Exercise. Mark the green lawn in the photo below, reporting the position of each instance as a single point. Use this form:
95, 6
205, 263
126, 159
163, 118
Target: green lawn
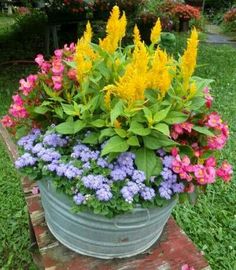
211, 224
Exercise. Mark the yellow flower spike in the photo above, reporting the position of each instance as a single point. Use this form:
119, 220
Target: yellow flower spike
192, 90
136, 35
156, 32
160, 76
115, 29
88, 33
189, 59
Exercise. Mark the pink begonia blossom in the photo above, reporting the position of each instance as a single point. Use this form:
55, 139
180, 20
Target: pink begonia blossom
45, 67
189, 188
58, 53
39, 59
57, 67
216, 142
210, 162
72, 74
26, 86
225, 171
208, 98
214, 120
57, 82
70, 48
7, 121
187, 267
204, 174
17, 99
18, 111
179, 129
182, 167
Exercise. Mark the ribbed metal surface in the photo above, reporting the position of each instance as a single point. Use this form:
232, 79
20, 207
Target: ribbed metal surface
97, 236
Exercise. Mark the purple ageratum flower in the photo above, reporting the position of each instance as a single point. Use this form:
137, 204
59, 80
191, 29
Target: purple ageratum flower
72, 172
147, 193
129, 191
126, 159
167, 174
86, 166
37, 148
77, 149
118, 174
165, 190
94, 182
25, 160
79, 198
27, 141
84, 153
161, 152
104, 193
167, 161
48, 155
62, 169
178, 188
102, 163
138, 176
54, 140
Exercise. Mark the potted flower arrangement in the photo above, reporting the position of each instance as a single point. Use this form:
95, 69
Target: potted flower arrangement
185, 13
118, 135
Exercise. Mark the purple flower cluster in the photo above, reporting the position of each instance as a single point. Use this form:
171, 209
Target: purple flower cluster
82, 152
25, 160
61, 169
79, 198
169, 186
27, 141
54, 140
48, 155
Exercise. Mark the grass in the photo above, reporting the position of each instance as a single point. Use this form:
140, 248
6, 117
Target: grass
211, 224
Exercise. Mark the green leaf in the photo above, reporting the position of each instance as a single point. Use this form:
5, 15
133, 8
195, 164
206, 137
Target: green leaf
176, 118
91, 138
117, 111
147, 113
69, 109
159, 116
139, 129
133, 141
78, 126
115, 145
197, 103
59, 112
108, 132
41, 109
70, 64
65, 128
98, 123
157, 140
203, 130
163, 128
147, 161
121, 132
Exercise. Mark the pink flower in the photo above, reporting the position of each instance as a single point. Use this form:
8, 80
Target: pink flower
27, 85
57, 67
225, 171
210, 162
179, 129
189, 188
18, 100
208, 98
214, 120
39, 59
205, 174
57, 82
225, 130
45, 67
18, 111
58, 53
72, 74
216, 142
7, 121
187, 267
182, 167
70, 48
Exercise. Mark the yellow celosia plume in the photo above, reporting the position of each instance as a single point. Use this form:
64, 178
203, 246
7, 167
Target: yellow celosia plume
160, 75
132, 85
189, 59
156, 32
136, 35
84, 54
115, 29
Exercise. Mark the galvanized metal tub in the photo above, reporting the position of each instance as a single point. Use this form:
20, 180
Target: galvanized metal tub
97, 236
